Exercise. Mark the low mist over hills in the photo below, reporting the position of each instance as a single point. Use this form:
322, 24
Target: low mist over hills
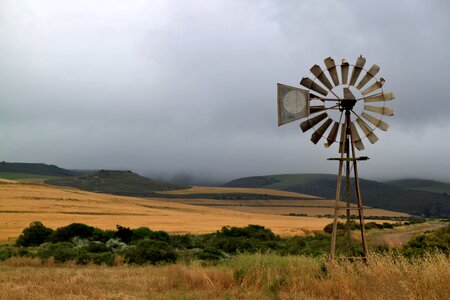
375, 194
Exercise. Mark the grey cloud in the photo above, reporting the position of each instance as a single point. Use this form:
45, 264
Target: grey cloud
175, 87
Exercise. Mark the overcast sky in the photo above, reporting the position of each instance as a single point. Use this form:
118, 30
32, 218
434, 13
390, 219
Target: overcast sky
188, 88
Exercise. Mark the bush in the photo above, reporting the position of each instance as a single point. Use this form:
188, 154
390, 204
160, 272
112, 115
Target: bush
97, 247
341, 227
315, 245
142, 233
150, 251
124, 234
67, 233
388, 225
251, 231
6, 252
61, 252
34, 235
210, 254
438, 240
101, 258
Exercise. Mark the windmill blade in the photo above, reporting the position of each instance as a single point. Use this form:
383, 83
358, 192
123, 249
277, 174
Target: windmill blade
356, 139
317, 71
316, 108
308, 124
367, 131
315, 137
369, 75
332, 135
331, 66
375, 86
343, 138
380, 97
380, 110
344, 71
308, 83
376, 122
357, 68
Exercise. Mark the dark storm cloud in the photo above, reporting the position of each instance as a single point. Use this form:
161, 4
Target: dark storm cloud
188, 87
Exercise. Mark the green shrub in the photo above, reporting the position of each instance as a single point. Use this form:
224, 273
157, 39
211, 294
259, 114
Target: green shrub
150, 251
235, 245
187, 241
387, 225
438, 240
67, 233
315, 245
251, 231
341, 227
210, 254
102, 235
34, 235
124, 234
142, 233
101, 258
6, 252
61, 252
97, 247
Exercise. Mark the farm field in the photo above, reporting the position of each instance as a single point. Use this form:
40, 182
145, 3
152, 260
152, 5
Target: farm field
304, 204
230, 190
282, 207
22, 203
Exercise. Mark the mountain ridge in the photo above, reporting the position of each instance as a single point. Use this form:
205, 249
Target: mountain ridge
374, 193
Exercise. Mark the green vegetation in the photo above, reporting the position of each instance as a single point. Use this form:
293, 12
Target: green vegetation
438, 240
422, 185
124, 183
375, 194
23, 177
34, 169
86, 244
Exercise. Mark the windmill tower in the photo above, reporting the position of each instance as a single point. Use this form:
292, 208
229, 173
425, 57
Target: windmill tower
331, 109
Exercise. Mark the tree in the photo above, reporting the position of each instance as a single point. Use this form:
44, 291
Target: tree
34, 235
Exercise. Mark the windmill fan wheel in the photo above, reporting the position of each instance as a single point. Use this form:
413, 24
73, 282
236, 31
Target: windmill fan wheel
340, 88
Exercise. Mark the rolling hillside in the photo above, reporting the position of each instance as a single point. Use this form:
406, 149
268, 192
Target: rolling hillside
115, 182
34, 169
375, 194
422, 185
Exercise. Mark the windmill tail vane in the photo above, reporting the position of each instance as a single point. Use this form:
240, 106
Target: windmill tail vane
343, 104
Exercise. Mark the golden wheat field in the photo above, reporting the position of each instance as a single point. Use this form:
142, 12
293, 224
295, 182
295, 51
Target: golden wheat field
282, 207
223, 190
242, 277
22, 203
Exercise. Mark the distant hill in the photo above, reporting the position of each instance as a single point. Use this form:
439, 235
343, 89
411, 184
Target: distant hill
35, 169
115, 182
375, 194
422, 185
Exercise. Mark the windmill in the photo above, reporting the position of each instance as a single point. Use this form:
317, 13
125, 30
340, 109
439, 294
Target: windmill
332, 109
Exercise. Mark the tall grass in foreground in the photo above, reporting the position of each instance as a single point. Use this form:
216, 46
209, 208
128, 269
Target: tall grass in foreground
255, 276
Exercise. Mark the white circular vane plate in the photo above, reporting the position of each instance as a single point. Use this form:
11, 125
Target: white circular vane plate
294, 102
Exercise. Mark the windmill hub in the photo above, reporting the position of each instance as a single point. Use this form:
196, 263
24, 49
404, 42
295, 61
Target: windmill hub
347, 104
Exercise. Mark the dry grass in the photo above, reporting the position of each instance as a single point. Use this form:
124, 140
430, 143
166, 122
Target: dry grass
243, 277
22, 203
